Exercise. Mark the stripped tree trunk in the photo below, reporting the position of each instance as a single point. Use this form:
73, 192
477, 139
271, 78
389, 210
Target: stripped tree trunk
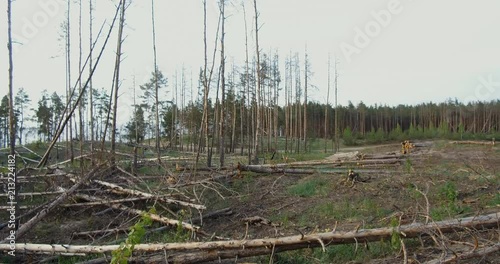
229, 249
258, 117
117, 80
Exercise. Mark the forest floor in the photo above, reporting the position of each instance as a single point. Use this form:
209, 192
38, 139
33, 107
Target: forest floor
457, 180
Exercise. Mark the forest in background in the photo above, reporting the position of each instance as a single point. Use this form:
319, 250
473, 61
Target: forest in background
181, 121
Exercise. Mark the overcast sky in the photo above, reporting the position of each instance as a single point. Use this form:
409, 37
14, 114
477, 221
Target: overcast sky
389, 51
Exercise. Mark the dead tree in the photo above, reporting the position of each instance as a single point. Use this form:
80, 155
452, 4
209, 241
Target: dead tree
247, 88
12, 143
117, 79
91, 103
157, 104
207, 79
80, 88
69, 141
326, 106
306, 78
12, 132
222, 150
257, 125
337, 132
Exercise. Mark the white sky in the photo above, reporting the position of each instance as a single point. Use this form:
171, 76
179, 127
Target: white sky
427, 51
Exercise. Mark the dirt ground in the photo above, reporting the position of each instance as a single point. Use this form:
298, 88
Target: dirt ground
458, 181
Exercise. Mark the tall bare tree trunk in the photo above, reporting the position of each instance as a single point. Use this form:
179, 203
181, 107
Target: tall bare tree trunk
157, 104
173, 132
337, 132
204, 119
134, 163
233, 127
326, 106
91, 99
257, 126
306, 76
117, 80
276, 96
80, 88
222, 148
183, 94
207, 78
12, 131
247, 88
69, 137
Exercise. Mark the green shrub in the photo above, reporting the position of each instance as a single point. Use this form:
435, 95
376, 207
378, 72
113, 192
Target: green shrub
348, 137
124, 252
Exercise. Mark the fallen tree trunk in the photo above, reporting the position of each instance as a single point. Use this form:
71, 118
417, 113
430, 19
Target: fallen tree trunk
294, 242
273, 169
40, 215
302, 164
33, 193
106, 202
104, 231
154, 217
225, 211
470, 142
385, 156
119, 189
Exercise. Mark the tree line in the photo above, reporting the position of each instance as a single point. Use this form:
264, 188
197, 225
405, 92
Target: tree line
180, 120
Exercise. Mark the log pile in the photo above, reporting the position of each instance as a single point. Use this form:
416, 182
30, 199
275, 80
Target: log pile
343, 161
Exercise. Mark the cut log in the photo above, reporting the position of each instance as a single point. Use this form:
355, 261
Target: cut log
298, 241
470, 142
